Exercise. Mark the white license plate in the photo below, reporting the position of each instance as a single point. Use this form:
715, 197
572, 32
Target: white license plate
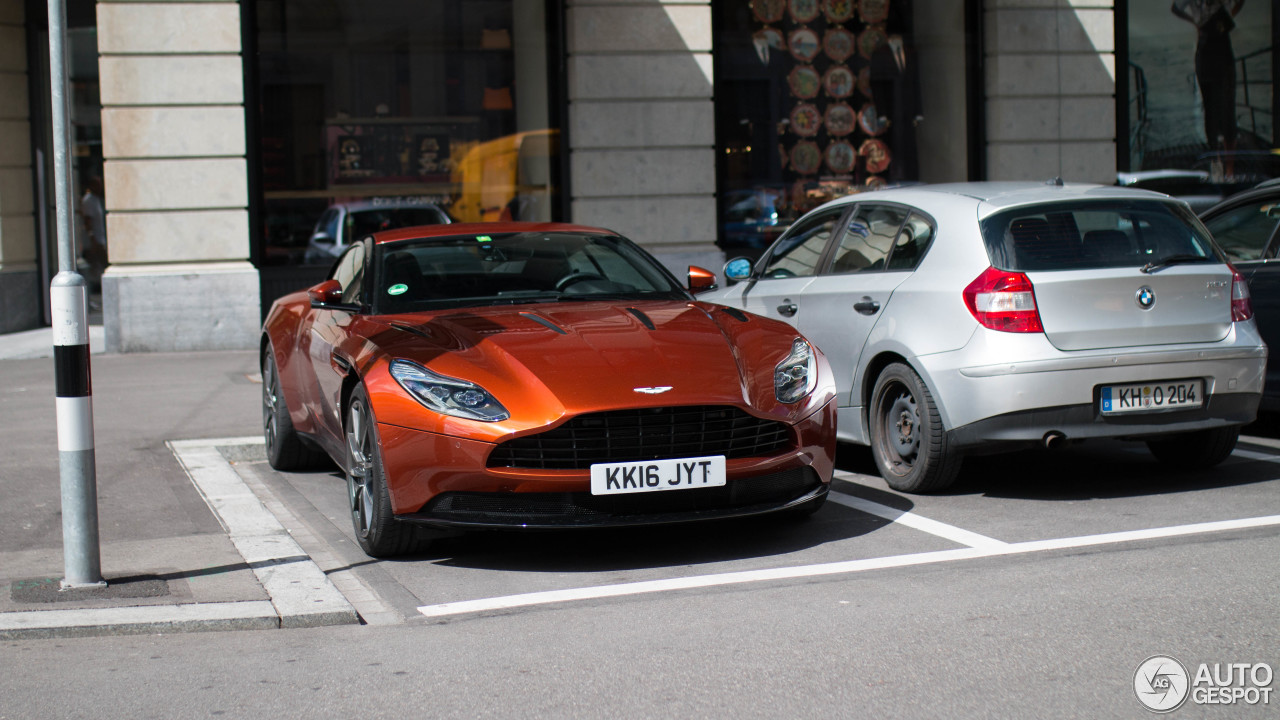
1149, 397
657, 475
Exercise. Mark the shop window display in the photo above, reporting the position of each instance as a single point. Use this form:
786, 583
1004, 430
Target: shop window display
815, 99
366, 107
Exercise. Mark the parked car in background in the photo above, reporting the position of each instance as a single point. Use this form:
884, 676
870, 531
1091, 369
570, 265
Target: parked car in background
521, 375
977, 317
1244, 226
344, 223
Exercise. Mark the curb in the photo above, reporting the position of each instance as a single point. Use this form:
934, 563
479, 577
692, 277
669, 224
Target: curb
301, 594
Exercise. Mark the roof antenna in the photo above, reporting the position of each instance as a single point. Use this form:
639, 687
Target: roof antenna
1056, 182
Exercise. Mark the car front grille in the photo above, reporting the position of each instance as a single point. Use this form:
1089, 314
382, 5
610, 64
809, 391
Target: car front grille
582, 507
645, 434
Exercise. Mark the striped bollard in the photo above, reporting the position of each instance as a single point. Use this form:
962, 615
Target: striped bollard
82, 561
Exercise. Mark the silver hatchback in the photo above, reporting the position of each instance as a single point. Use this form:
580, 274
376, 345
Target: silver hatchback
980, 317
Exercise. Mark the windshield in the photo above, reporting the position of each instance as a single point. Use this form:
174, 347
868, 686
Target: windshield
523, 267
1096, 234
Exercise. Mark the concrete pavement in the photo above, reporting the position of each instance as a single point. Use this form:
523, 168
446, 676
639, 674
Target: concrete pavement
186, 544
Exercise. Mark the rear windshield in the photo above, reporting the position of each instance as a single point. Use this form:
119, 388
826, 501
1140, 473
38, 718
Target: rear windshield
1095, 234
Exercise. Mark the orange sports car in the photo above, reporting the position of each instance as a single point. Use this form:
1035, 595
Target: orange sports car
521, 375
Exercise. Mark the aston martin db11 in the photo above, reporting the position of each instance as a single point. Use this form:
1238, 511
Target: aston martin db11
539, 376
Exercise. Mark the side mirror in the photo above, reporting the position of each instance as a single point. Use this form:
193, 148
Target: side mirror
701, 280
322, 238
738, 269
328, 292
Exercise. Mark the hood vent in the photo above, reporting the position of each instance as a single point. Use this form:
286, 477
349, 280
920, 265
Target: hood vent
644, 319
735, 313
544, 322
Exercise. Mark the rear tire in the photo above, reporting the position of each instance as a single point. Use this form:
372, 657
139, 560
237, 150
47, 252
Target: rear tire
285, 449
1198, 450
377, 530
910, 447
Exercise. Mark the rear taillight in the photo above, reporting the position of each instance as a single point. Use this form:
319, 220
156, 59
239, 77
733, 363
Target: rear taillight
1241, 305
1003, 301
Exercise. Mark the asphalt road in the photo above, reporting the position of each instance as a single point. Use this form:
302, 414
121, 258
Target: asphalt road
1035, 588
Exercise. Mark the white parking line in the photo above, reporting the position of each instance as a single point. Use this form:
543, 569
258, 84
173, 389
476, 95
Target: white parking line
911, 520
1254, 455
836, 568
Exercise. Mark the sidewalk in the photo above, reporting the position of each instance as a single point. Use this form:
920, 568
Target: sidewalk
185, 542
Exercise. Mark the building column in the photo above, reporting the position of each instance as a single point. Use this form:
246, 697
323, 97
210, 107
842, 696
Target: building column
20, 305
1051, 86
173, 137
642, 125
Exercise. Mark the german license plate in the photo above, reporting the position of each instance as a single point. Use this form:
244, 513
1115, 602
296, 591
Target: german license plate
1153, 396
657, 475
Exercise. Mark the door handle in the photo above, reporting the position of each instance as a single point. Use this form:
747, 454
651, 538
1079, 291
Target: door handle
867, 306
787, 309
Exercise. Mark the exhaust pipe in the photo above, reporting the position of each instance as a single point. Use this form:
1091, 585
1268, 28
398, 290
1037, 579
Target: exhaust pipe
1054, 440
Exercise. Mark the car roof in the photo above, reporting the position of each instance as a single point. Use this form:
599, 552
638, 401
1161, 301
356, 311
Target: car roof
993, 196
422, 232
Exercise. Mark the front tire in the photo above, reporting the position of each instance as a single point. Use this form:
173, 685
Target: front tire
1198, 450
377, 530
910, 447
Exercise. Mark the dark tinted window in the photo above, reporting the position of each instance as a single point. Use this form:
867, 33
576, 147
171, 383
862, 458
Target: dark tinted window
798, 252
1243, 232
367, 222
1094, 234
912, 242
868, 238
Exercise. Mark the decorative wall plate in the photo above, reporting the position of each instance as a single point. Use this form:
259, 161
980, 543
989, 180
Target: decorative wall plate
805, 120
841, 157
804, 82
873, 11
768, 11
870, 39
806, 158
875, 182
838, 11
870, 121
877, 155
839, 44
839, 119
838, 81
804, 44
802, 11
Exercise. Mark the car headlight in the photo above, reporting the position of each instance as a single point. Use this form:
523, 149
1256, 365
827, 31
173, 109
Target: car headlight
446, 395
797, 374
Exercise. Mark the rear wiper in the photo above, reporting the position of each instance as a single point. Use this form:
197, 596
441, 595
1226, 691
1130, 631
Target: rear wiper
1172, 260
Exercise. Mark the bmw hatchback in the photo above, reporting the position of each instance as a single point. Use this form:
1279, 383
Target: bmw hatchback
982, 317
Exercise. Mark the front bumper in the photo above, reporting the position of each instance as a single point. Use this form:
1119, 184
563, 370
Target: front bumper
444, 480
534, 511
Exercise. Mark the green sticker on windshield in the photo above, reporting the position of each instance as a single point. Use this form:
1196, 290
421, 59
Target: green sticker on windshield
483, 238
398, 289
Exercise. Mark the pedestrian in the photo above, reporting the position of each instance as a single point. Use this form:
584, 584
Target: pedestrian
1215, 69
93, 215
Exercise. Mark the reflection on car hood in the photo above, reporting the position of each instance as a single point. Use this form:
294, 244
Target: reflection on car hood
586, 355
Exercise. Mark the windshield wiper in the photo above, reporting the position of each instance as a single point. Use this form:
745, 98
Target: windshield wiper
1171, 260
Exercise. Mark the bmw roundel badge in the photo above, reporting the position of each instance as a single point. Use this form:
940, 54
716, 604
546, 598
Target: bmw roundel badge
1146, 297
